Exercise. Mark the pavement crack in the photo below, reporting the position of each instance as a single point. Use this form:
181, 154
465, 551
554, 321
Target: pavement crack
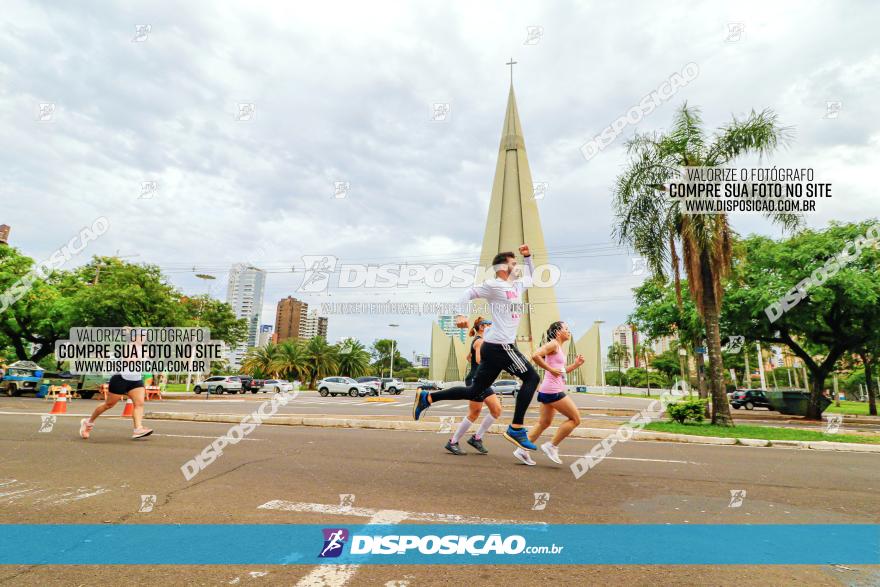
167, 499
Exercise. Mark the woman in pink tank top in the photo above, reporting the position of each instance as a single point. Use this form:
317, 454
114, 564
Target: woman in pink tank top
551, 394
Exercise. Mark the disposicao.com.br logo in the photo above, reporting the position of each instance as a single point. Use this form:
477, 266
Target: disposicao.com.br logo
452, 544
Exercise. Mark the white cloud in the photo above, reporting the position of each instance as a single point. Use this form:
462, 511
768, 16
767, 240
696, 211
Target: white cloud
343, 92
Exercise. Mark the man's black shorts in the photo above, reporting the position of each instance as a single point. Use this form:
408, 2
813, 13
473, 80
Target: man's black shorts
481, 396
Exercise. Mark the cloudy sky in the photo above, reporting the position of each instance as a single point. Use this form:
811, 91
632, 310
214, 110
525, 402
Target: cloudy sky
344, 92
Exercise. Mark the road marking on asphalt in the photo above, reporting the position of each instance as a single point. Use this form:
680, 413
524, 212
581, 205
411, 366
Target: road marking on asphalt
213, 401
13, 495
644, 460
339, 575
339, 510
42, 414
198, 436
25, 489
79, 494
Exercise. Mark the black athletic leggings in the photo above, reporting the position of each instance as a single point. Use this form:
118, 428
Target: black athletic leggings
495, 358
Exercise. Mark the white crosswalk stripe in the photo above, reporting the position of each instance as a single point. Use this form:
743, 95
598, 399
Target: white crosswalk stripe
15, 490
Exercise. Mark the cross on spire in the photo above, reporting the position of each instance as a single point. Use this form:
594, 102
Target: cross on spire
511, 63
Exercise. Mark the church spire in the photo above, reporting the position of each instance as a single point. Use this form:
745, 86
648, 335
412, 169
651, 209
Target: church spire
513, 219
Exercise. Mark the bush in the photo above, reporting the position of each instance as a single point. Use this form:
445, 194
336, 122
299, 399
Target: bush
693, 410
613, 378
638, 377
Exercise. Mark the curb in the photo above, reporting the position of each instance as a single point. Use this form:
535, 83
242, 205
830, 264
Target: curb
596, 433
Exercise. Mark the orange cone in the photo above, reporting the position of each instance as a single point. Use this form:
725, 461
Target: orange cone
129, 408
60, 405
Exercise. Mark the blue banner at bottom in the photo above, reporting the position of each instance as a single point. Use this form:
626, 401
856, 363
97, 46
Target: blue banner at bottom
478, 544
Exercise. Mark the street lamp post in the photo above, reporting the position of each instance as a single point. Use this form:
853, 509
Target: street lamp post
601, 358
391, 370
207, 279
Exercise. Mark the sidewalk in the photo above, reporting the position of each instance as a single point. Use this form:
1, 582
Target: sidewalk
439, 426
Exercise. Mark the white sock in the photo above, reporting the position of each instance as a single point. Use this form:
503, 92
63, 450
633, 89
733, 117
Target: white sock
484, 426
462, 430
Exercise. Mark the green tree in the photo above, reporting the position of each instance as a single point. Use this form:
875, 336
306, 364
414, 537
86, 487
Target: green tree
644, 354
661, 312
258, 362
638, 377
353, 357
208, 312
652, 224
290, 360
616, 354
219, 367
34, 315
837, 317
381, 354
321, 359
105, 292
667, 363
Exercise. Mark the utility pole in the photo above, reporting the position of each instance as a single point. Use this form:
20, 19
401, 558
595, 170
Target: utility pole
761, 365
748, 373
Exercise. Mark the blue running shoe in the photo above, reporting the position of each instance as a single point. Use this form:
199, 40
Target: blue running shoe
420, 404
519, 437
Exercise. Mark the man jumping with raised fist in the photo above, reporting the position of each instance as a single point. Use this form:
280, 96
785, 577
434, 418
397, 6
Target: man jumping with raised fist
499, 352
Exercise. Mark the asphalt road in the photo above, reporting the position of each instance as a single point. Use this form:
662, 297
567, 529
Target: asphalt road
57, 477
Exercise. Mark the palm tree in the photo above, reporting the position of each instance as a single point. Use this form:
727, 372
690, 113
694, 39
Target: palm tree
258, 361
289, 361
617, 353
653, 225
644, 351
353, 358
321, 359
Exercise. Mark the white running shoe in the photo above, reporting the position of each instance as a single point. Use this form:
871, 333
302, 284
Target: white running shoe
552, 452
141, 432
524, 456
85, 428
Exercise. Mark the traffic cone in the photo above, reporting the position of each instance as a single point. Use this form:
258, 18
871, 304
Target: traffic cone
60, 405
129, 408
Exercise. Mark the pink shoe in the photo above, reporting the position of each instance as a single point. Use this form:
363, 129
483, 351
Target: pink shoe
141, 432
85, 428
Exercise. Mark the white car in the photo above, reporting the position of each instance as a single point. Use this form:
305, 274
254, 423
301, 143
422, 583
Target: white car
392, 385
276, 386
220, 384
342, 386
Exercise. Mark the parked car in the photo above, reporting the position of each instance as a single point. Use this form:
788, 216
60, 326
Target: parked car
342, 386
245, 383
276, 386
429, 386
220, 384
506, 387
22, 377
392, 385
254, 385
374, 383
749, 399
